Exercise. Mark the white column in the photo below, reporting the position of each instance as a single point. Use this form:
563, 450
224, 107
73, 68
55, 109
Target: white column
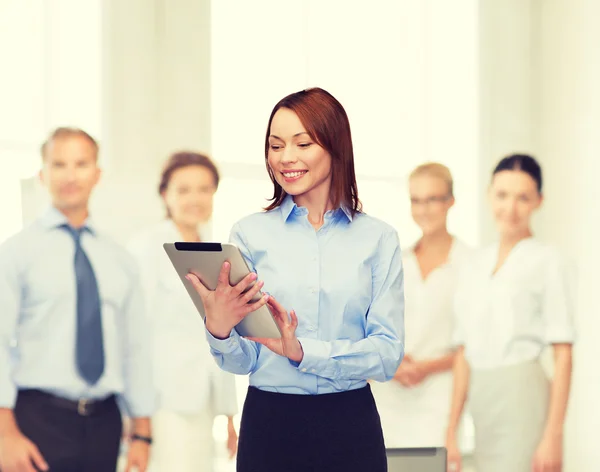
406, 78
507, 78
183, 51
73, 65
23, 109
130, 85
569, 97
157, 100
452, 104
52, 52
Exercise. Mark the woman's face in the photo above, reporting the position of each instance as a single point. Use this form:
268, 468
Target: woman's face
189, 195
514, 197
430, 201
299, 164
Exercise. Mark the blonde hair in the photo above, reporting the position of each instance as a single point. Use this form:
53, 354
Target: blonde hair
435, 169
68, 132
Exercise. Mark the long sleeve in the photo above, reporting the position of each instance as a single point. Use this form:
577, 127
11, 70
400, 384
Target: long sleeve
139, 392
235, 354
557, 300
10, 290
379, 354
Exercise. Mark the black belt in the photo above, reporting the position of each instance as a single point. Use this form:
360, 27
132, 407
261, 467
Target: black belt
84, 406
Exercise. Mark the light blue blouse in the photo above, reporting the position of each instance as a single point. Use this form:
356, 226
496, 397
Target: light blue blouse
345, 282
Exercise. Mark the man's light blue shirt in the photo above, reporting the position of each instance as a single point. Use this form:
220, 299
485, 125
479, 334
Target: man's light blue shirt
38, 297
345, 283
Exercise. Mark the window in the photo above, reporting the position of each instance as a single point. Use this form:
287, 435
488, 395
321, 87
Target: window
53, 79
10, 195
15, 166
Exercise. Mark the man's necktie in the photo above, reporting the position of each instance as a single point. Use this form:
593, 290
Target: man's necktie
89, 344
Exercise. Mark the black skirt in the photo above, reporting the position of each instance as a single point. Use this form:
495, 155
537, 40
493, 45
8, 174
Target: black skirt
311, 433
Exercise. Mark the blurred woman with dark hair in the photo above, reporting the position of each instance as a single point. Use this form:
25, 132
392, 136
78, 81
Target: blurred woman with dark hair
513, 299
191, 389
339, 273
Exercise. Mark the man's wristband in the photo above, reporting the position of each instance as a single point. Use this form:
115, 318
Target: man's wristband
139, 437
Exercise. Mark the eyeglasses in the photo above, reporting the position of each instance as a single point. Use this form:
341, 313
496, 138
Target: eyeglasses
429, 200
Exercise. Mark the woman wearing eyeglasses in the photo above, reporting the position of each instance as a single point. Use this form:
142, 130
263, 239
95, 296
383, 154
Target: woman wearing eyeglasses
414, 406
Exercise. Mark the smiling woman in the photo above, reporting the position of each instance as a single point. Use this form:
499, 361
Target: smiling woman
340, 327
301, 153
191, 389
420, 393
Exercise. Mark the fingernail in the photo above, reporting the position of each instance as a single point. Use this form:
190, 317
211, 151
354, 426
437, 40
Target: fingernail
188, 277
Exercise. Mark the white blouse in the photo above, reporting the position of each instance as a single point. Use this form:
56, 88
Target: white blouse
510, 317
417, 416
187, 379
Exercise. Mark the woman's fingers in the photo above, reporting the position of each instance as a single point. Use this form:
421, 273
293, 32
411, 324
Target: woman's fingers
294, 319
199, 286
223, 281
249, 295
243, 284
239, 288
280, 317
274, 310
250, 307
277, 306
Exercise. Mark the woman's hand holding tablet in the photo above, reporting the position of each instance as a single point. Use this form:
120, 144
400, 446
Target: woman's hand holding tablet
227, 305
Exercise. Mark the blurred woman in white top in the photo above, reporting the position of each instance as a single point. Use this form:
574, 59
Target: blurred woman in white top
415, 405
191, 389
512, 301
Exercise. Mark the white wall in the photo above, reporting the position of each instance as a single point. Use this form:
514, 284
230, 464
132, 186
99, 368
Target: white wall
52, 77
569, 120
459, 82
508, 73
405, 71
409, 85
157, 87
539, 73
135, 74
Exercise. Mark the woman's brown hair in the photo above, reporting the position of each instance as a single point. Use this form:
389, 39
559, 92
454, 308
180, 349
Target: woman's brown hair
326, 122
182, 159
185, 159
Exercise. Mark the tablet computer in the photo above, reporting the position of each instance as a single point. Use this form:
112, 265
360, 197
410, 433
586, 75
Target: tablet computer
205, 260
423, 459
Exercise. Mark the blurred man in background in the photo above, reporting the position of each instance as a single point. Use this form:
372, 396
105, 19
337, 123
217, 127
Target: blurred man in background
73, 331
